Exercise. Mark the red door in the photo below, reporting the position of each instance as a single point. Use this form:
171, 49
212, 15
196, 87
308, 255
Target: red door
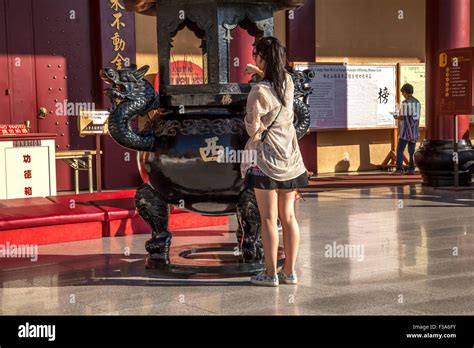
17, 64
4, 78
63, 75
21, 62
46, 65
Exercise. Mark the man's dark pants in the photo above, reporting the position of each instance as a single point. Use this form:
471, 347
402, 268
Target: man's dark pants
402, 143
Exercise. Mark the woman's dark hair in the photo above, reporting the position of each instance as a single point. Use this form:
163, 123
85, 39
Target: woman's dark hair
274, 53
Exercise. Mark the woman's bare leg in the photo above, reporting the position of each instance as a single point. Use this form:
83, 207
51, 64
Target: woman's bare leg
291, 230
268, 208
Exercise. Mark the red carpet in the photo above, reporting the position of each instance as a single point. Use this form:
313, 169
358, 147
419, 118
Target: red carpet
68, 218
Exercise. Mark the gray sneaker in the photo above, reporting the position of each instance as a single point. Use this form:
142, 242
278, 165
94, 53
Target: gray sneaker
287, 278
264, 279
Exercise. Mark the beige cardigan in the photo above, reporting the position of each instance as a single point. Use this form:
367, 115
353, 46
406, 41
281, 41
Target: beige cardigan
279, 157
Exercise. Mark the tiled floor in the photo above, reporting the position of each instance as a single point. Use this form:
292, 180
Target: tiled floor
412, 253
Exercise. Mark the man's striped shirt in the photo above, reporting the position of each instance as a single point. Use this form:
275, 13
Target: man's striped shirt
409, 124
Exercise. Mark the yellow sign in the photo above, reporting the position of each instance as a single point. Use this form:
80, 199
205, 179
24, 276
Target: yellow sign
443, 60
93, 122
415, 76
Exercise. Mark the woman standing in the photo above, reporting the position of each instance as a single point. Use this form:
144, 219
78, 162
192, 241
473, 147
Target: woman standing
279, 169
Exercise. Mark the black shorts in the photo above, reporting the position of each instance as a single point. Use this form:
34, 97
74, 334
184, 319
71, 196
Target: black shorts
255, 178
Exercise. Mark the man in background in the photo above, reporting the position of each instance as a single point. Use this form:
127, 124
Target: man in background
408, 123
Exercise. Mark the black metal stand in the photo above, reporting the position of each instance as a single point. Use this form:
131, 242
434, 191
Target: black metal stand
194, 259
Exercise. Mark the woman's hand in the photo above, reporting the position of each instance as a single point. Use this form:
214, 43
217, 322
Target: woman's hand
252, 69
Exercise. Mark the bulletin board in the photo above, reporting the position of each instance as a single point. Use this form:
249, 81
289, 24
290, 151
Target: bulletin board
352, 96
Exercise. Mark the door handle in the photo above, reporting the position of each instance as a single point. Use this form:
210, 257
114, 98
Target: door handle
42, 112
8, 91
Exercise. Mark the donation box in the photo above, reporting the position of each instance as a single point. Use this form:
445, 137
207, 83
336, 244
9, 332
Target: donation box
28, 165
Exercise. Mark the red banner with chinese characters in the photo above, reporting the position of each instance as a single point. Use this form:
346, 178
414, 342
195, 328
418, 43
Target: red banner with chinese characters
455, 70
13, 129
118, 34
117, 39
117, 50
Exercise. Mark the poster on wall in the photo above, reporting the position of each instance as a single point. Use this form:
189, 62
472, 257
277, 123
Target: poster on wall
415, 75
184, 72
352, 96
